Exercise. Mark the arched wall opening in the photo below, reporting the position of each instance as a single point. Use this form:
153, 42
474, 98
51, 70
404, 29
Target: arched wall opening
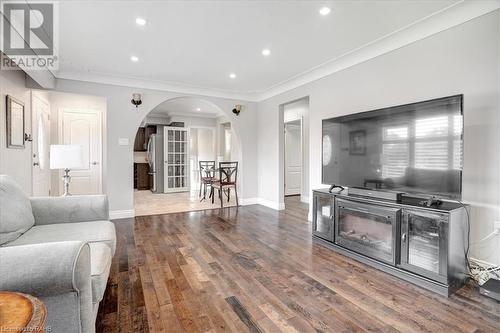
198, 114
123, 119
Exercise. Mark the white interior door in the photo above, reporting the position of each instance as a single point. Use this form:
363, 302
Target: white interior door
41, 145
83, 127
293, 159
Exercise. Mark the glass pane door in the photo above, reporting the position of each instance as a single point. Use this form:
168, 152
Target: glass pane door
323, 217
177, 161
421, 242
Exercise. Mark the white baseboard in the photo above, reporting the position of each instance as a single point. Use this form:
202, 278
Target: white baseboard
121, 214
271, 204
249, 201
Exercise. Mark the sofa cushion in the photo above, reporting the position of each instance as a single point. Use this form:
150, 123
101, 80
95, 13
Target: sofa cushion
95, 231
100, 264
15, 210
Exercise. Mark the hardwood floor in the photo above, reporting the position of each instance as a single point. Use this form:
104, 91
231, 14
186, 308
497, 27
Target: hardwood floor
253, 269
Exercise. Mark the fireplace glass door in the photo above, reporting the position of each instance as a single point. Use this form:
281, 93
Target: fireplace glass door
423, 243
367, 229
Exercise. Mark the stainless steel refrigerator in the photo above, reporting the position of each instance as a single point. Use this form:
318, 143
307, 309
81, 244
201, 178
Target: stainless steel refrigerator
155, 160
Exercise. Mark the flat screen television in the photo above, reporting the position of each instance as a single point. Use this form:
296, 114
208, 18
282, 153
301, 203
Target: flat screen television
414, 148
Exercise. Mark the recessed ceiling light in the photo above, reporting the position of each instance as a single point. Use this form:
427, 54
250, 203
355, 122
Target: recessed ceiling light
134, 58
198, 109
140, 21
232, 76
325, 11
266, 52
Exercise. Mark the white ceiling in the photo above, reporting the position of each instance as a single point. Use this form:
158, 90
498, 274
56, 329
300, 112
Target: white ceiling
186, 106
198, 43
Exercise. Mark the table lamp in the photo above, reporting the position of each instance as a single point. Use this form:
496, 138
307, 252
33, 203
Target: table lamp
66, 157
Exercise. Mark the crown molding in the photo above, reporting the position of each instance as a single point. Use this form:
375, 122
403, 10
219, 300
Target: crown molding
437, 22
449, 17
134, 82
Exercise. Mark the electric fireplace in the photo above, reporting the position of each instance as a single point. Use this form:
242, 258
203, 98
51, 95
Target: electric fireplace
367, 229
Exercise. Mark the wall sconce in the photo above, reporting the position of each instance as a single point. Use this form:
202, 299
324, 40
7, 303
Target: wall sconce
237, 109
136, 99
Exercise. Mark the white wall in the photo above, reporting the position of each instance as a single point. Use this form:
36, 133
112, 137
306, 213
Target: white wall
59, 101
294, 111
123, 119
462, 60
15, 162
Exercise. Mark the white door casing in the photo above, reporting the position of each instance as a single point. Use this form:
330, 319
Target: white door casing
293, 159
41, 146
83, 127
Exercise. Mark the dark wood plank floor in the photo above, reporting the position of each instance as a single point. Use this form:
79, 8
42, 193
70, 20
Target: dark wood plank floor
253, 269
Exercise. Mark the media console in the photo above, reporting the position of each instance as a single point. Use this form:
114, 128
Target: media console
422, 245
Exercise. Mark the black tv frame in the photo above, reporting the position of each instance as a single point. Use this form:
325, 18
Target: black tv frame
357, 114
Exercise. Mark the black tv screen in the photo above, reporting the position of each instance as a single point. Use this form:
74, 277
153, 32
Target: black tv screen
414, 148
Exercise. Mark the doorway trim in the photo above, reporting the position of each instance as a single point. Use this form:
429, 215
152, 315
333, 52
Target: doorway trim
301, 128
281, 151
37, 98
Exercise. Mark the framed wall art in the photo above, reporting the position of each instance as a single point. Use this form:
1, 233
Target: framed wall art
15, 123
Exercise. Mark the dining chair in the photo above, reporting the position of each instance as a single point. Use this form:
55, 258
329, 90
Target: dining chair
207, 174
228, 176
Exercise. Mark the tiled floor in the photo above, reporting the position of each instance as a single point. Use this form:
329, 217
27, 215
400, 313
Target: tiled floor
148, 203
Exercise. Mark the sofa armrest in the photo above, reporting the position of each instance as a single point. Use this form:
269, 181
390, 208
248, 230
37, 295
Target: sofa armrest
45, 269
75, 208
51, 269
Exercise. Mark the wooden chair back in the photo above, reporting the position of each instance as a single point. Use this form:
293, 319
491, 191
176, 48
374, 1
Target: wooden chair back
207, 169
228, 173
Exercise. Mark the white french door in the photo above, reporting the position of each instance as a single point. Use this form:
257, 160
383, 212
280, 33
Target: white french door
176, 159
41, 145
84, 127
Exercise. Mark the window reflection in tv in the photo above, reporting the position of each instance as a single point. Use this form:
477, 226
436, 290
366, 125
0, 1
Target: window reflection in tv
415, 148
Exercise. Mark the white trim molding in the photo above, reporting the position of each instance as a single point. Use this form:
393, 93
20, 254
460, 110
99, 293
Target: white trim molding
271, 204
121, 214
135, 82
437, 22
249, 201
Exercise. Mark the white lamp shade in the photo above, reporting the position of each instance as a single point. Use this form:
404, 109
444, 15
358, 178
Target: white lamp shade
66, 157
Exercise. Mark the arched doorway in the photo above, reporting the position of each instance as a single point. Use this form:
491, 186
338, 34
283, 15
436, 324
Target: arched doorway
170, 142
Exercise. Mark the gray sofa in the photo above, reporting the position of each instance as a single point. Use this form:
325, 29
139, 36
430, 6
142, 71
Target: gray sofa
58, 249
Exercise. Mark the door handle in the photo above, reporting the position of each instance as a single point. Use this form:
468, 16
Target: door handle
94, 163
403, 237
36, 164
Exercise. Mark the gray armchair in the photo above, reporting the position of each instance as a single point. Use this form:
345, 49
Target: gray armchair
58, 249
